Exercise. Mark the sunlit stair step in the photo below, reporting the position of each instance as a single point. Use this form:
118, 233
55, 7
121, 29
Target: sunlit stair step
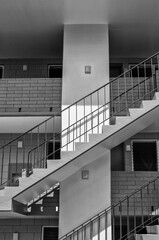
152, 229
156, 96
147, 237
148, 104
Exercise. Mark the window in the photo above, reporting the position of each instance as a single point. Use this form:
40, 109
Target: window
55, 71
1, 71
142, 71
115, 70
53, 150
144, 155
49, 233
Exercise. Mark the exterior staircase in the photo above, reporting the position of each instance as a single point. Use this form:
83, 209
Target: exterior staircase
94, 143
57, 171
152, 233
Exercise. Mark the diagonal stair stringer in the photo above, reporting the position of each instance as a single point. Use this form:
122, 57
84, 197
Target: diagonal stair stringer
99, 144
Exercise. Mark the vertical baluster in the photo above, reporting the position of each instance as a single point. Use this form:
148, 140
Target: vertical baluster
84, 113
30, 146
98, 108
152, 75
132, 87
38, 154
120, 221
111, 100
76, 125
118, 91
16, 158
98, 227
113, 223
9, 163
141, 198
138, 80
128, 226
2, 165
134, 211
45, 146
23, 142
91, 115
91, 230
125, 91
105, 104
158, 70
145, 87
106, 223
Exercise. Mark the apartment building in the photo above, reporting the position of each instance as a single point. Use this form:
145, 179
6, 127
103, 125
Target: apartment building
79, 132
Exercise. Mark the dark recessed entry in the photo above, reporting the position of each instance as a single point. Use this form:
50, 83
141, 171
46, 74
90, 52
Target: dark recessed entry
50, 233
145, 156
55, 71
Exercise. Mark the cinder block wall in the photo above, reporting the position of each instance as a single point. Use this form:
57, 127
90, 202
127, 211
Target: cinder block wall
31, 90
27, 228
125, 182
30, 95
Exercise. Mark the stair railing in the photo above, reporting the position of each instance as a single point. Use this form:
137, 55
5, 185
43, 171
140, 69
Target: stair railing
97, 108
126, 91
123, 219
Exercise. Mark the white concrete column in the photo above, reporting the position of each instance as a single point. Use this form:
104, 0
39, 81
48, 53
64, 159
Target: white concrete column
84, 45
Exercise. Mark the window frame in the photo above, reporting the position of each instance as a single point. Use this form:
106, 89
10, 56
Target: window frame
47, 227
145, 140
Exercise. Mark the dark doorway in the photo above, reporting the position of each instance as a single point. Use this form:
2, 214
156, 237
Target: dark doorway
50, 233
145, 156
55, 71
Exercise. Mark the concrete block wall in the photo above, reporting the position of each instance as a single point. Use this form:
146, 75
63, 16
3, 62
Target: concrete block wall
30, 95
30, 228
125, 182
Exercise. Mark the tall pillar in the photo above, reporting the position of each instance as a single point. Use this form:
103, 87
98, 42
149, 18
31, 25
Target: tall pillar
85, 68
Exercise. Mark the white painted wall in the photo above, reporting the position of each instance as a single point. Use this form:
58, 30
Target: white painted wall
84, 45
82, 199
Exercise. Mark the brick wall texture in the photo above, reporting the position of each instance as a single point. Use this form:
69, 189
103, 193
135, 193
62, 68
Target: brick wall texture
30, 95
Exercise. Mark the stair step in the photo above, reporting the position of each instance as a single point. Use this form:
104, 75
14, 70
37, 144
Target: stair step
123, 120
147, 237
148, 104
152, 229
156, 96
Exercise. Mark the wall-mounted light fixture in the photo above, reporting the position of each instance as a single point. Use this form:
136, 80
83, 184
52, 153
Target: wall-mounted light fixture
87, 69
15, 236
85, 174
25, 68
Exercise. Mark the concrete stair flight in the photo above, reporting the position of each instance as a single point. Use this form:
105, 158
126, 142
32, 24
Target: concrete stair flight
152, 233
85, 153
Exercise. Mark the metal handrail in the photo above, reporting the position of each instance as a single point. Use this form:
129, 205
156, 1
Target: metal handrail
82, 121
118, 205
